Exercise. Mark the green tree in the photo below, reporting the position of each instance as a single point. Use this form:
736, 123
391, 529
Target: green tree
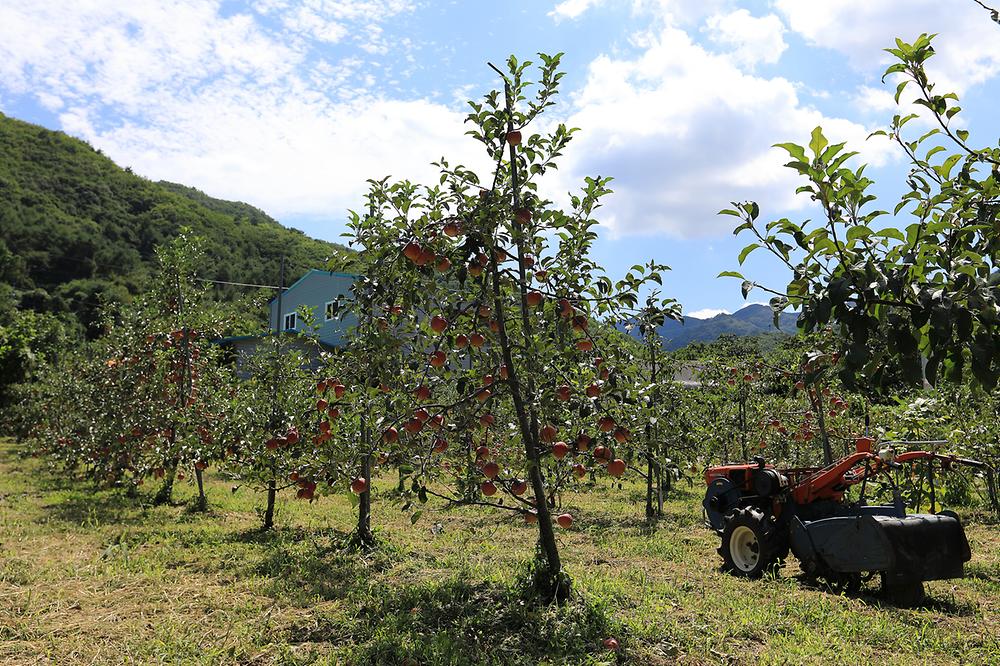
898, 293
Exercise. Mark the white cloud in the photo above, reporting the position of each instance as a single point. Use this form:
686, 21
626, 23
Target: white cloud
752, 39
968, 45
707, 313
685, 131
225, 103
876, 100
572, 9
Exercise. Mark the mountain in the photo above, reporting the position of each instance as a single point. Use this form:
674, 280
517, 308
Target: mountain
749, 321
77, 230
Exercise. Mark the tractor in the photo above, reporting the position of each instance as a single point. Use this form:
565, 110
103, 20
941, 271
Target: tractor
761, 513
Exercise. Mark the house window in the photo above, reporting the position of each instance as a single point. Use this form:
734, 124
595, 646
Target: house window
290, 321
332, 308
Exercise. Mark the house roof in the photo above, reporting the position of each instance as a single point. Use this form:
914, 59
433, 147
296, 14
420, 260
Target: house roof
310, 272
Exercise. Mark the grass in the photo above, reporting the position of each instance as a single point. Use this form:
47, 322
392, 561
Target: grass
94, 577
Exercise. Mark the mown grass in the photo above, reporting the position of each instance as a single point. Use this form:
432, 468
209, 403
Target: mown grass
94, 577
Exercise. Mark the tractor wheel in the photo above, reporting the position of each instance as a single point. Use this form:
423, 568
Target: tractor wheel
904, 594
747, 548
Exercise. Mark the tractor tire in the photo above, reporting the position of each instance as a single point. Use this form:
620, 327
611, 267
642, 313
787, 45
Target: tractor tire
905, 594
748, 549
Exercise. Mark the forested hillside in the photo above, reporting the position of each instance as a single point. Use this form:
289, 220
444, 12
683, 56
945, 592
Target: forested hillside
752, 320
77, 230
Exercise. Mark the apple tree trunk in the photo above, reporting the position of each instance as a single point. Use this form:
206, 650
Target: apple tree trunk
201, 504
166, 492
272, 491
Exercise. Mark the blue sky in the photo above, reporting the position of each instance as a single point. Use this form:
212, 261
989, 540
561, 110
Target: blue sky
291, 105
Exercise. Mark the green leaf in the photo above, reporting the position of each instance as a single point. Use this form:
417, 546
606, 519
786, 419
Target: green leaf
731, 274
746, 251
795, 150
818, 142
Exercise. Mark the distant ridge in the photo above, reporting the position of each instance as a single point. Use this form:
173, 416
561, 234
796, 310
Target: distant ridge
751, 320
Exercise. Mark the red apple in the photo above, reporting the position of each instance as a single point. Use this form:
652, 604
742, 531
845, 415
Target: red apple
593, 391
390, 435
461, 341
616, 467
443, 265
426, 256
514, 138
530, 517
548, 433
563, 392
412, 251
359, 485
518, 487
451, 230
489, 488
533, 298
477, 340
579, 470
440, 445
565, 520
438, 324
490, 470
438, 359
565, 308
560, 449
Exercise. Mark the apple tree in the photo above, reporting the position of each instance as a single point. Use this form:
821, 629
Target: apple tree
502, 319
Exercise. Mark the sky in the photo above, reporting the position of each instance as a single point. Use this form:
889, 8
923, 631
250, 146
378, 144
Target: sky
291, 105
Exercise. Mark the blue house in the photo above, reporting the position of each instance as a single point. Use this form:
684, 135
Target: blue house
323, 293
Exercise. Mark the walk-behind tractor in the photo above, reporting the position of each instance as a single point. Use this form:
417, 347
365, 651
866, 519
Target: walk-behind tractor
761, 513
